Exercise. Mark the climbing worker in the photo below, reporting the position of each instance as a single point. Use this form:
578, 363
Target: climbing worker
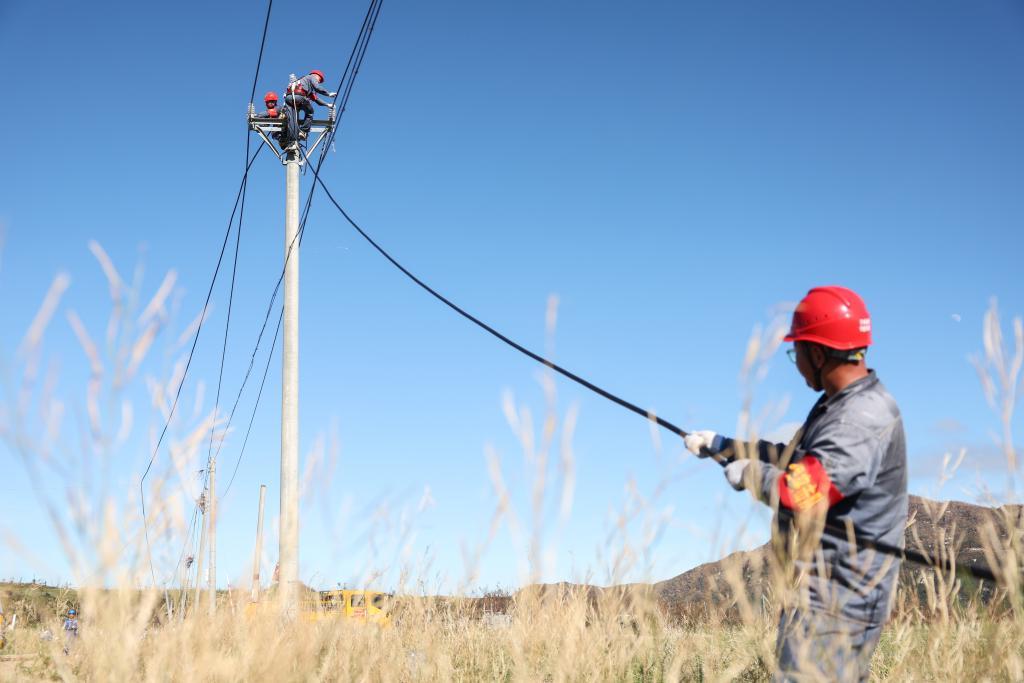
837, 488
300, 96
289, 130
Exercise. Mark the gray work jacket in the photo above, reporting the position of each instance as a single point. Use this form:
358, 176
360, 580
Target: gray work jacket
857, 437
307, 86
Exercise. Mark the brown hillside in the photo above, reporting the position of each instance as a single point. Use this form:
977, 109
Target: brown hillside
706, 590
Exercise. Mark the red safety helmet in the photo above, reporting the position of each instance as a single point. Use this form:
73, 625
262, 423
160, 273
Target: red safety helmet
271, 96
319, 74
835, 317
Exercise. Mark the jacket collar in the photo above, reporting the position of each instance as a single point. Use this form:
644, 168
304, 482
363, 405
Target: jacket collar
864, 383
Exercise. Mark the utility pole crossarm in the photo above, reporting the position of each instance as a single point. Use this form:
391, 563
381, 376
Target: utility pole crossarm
270, 129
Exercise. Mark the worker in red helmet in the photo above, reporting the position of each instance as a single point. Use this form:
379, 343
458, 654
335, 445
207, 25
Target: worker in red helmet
289, 131
300, 96
271, 111
838, 488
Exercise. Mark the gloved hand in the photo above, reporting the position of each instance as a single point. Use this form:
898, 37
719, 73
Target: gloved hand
332, 95
329, 105
702, 443
741, 472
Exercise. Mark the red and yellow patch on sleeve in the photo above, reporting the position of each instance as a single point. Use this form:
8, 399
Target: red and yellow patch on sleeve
805, 484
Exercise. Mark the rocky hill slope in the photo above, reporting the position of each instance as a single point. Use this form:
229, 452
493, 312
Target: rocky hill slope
936, 529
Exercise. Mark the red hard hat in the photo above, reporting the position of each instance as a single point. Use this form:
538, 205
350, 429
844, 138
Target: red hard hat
835, 317
271, 96
319, 74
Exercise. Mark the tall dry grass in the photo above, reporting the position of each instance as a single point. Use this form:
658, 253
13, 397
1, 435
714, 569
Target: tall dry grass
133, 628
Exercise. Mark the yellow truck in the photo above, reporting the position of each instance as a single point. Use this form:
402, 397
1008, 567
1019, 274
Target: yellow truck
358, 605
361, 605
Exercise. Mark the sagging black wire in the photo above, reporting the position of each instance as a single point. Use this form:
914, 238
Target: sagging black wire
837, 528
345, 84
202, 319
188, 364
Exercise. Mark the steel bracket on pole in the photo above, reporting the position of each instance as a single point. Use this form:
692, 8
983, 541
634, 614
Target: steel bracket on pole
269, 144
266, 128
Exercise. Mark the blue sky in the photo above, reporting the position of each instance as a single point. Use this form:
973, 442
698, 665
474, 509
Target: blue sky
672, 172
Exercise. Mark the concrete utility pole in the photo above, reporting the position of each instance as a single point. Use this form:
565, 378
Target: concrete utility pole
212, 507
289, 550
202, 553
293, 157
259, 546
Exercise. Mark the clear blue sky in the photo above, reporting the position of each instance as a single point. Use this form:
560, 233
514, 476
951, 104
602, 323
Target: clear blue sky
672, 171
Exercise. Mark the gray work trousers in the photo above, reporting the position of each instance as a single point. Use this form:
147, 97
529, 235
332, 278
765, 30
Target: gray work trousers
817, 646
299, 104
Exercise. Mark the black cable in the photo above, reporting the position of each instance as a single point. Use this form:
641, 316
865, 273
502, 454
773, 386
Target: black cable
259, 59
355, 60
259, 395
359, 59
241, 192
490, 330
227, 327
188, 364
238, 240
838, 528
188, 537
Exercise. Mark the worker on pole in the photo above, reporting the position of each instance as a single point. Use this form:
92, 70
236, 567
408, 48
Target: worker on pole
290, 131
840, 486
300, 96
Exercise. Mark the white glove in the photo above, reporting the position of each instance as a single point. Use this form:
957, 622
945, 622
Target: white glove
736, 473
332, 95
698, 443
329, 105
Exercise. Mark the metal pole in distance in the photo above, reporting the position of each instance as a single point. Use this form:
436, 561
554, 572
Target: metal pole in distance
259, 546
212, 503
200, 557
289, 532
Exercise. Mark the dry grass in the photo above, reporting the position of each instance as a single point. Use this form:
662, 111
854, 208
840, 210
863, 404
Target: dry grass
551, 635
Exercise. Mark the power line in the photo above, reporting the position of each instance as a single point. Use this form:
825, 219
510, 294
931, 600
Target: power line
490, 330
259, 395
352, 67
230, 299
259, 59
202, 318
227, 328
359, 60
188, 364
836, 527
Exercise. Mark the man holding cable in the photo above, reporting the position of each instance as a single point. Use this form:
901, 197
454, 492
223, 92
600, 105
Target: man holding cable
839, 488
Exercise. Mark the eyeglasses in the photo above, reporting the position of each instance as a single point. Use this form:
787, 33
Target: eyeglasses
792, 354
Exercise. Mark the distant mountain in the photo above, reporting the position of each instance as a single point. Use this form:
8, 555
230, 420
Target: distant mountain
934, 529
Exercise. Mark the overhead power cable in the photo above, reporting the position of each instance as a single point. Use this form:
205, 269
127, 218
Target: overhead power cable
647, 414
345, 84
188, 364
234, 269
259, 58
837, 528
202, 318
259, 395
